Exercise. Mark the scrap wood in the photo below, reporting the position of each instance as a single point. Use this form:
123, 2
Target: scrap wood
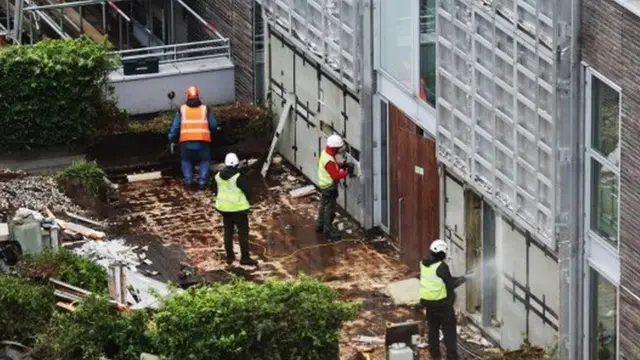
83, 230
303, 191
377, 340
84, 219
66, 306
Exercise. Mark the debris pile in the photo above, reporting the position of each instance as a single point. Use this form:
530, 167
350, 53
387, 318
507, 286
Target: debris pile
111, 252
19, 190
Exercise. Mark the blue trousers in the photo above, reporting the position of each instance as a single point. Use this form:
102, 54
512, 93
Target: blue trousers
189, 157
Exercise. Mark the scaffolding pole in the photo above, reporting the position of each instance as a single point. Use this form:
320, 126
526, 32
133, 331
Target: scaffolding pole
568, 187
199, 18
364, 45
70, 4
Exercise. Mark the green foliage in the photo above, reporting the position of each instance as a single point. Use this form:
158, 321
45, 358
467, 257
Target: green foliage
52, 91
95, 330
65, 266
86, 174
243, 320
26, 308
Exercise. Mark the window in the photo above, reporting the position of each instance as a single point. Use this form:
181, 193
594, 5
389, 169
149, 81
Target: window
427, 27
396, 37
603, 322
603, 157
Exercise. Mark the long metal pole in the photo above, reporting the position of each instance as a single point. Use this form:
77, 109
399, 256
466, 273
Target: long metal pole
363, 78
172, 17
199, 18
68, 4
104, 18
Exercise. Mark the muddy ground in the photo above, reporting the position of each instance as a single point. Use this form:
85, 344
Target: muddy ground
284, 241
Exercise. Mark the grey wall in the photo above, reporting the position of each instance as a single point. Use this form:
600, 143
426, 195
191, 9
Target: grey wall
144, 94
288, 70
611, 44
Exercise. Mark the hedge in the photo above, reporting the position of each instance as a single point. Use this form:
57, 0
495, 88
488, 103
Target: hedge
243, 320
26, 308
66, 266
53, 92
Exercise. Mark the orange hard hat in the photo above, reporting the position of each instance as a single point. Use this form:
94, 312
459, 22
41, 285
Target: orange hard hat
192, 93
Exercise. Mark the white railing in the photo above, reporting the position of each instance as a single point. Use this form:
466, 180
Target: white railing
208, 49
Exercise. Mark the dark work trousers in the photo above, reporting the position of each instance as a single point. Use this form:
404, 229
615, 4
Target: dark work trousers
442, 316
230, 220
327, 211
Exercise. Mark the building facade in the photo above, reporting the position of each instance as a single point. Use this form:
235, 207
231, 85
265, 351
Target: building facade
611, 102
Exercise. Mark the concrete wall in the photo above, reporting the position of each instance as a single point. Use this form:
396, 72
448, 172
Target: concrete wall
526, 290
288, 70
610, 45
144, 94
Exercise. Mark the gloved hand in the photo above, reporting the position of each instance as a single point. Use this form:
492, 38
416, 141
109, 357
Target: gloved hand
172, 148
351, 168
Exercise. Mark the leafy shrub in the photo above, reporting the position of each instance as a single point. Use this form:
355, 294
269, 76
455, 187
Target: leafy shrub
26, 308
95, 330
66, 266
243, 320
51, 92
86, 174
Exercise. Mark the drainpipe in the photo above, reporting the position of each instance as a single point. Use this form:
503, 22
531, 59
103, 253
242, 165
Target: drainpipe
364, 36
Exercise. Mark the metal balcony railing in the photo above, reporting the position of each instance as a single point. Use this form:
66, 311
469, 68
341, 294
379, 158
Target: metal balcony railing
199, 50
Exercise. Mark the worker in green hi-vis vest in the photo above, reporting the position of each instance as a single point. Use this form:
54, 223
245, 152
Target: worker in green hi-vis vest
437, 295
232, 201
330, 172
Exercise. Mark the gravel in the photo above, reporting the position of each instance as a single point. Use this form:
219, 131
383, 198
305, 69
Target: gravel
18, 189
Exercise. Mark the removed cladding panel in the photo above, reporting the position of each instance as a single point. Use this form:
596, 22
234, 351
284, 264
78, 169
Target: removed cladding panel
495, 123
352, 123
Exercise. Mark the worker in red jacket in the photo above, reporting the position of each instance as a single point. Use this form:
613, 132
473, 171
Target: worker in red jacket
330, 172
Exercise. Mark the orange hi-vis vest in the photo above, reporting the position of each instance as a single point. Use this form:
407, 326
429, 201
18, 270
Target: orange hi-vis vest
194, 125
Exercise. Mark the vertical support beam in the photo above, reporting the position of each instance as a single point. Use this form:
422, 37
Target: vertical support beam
104, 19
18, 17
364, 65
488, 269
172, 21
567, 197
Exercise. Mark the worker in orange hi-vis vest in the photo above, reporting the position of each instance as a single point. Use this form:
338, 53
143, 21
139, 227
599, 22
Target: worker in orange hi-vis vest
192, 128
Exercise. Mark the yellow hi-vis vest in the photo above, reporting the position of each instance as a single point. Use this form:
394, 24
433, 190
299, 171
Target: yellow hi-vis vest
230, 198
432, 287
324, 179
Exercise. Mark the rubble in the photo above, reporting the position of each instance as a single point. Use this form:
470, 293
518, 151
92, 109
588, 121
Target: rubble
110, 252
19, 190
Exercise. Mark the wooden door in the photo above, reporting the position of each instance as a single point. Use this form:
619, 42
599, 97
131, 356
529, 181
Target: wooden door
413, 188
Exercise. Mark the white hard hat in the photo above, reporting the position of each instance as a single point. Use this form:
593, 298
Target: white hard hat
335, 141
231, 160
439, 246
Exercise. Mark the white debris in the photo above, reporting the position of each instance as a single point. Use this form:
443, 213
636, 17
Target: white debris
110, 252
32, 192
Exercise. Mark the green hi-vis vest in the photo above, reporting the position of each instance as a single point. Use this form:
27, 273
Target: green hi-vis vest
324, 179
432, 287
230, 198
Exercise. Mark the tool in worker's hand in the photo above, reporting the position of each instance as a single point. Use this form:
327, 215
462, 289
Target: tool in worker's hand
172, 148
351, 168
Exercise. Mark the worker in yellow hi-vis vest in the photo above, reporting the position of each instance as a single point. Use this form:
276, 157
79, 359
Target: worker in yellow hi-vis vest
437, 295
232, 201
330, 172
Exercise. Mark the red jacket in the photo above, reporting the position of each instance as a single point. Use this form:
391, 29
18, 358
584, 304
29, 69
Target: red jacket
334, 169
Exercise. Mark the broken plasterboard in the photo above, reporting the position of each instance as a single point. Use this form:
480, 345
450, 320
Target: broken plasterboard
405, 292
290, 101
4, 232
302, 192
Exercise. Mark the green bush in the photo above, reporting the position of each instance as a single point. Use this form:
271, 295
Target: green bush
243, 320
26, 308
66, 266
52, 92
95, 330
86, 174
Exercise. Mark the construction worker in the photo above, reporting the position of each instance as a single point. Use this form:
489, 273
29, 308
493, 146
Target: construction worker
330, 172
192, 127
233, 202
437, 295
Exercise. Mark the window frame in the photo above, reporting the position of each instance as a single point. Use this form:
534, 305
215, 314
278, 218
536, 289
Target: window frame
590, 269
414, 39
416, 85
591, 153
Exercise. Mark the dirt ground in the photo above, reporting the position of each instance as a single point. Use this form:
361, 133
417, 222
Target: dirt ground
284, 241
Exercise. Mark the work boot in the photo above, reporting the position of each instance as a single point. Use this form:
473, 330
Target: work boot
247, 261
230, 259
202, 187
332, 235
319, 229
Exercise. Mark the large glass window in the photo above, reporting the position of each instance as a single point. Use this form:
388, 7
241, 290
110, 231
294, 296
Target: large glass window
396, 37
603, 163
427, 81
603, 325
